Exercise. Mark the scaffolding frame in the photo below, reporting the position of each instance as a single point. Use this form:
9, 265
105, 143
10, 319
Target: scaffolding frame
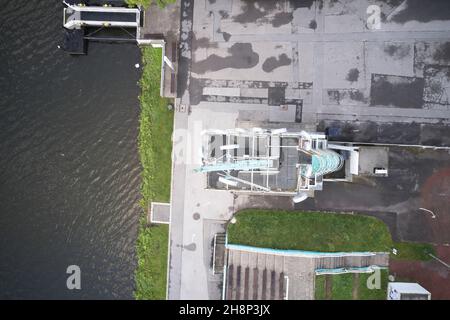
258, 151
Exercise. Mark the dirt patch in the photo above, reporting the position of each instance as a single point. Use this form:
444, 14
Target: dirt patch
423, 11
346, 96
355, 288
442, 52
328, 286
434, 196
352, 75
272, 63
202, 43
432, 275
397, 91
241, 56
282, 18
398, 52
301, 3
224, 14
313, 24
437, 84
254, 10
226, 36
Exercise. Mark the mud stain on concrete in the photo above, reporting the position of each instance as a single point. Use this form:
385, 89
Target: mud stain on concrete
352, 75
442, 52
241, 56
398, 52
258, 11
296, 4
224, 14
437, 84
369, 131
272, 63
226, 36
357, 95
421, 11
254, 10
282, 18
190, 247
430, 53
345, 96
276, 96
397, 91
203, 42
185, 50
195, 91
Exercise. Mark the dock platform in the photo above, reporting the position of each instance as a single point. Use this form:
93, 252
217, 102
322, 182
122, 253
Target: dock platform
114, 21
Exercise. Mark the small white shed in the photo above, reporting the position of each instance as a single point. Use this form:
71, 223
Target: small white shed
407, 291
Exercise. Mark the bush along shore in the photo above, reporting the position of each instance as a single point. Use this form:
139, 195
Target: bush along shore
147, 3
155, 147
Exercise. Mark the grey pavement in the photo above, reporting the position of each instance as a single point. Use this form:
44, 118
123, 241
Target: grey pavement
261, 276
384, 85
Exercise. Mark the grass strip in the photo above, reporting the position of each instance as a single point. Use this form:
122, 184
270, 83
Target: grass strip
311, 231
413, 251
320, 231
147, 3
155, 147
344, 284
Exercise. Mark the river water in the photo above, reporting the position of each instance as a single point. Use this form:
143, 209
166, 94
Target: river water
69, 166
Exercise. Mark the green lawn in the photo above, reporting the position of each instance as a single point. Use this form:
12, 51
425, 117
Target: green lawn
155, 147
147, 3
319, 290
344, 286
155, 134
413, 251
364, 293
152, 252
320, 231
326, 232
313, 231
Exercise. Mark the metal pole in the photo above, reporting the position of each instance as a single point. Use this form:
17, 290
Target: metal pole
439, 260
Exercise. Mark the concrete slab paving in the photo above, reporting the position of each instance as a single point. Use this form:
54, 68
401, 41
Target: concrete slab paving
344, 64
264, 276
390, 58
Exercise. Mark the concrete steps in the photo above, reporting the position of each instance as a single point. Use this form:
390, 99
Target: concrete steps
219, 253
253, 276
379, 259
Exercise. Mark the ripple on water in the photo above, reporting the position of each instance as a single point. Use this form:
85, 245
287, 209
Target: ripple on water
69, 168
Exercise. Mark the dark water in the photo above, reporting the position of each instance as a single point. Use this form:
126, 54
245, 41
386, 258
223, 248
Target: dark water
69, 167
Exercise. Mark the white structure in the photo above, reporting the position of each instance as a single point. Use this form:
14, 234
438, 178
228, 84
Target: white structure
79, 16
407, 291
268, 161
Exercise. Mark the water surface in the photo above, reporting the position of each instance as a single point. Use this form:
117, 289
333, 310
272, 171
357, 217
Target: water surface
69, 167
